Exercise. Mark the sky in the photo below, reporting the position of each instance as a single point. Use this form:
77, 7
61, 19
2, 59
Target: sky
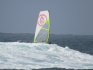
67, 16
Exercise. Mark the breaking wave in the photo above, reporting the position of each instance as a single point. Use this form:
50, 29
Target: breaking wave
40, 55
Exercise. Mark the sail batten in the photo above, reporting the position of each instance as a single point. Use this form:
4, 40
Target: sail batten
42, 32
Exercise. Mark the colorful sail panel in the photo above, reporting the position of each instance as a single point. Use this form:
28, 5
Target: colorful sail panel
42, 32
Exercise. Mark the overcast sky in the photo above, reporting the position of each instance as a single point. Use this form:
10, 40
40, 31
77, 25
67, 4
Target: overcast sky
67, 16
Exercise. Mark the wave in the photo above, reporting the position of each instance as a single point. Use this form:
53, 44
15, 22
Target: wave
40, 55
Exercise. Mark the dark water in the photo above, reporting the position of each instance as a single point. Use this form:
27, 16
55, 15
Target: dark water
82, 43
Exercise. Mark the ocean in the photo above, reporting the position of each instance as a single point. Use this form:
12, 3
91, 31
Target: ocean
72, 52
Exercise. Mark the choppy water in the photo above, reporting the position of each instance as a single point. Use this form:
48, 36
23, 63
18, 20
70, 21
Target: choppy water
16, 55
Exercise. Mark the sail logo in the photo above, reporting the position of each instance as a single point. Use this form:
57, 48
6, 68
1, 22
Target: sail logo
42, 19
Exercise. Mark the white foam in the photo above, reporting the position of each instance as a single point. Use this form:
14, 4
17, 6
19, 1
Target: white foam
38, 55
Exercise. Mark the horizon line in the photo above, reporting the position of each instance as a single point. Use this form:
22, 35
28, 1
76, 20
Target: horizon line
34, 33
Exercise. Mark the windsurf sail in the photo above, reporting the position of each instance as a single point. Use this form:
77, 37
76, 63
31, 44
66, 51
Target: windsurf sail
42, 32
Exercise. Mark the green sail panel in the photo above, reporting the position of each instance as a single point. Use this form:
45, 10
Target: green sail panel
42, 32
